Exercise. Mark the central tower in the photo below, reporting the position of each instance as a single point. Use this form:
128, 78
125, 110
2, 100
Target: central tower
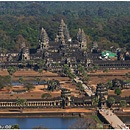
63, 33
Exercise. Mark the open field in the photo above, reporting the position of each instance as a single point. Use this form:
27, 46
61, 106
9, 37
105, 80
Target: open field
66, 82
38, 91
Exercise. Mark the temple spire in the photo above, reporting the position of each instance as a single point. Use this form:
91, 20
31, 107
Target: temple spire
81, 37
63, 33
43, 39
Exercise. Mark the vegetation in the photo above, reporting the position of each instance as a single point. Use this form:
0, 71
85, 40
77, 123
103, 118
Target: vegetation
11, 70
105, 70
106, 22
21, 102
29, 86
80, 68
109, 84
16, 126
79, 85
96, 67
66, 69
95, 101
90, 69
5, 81
38, 80
123, 103
40, 71
53, 85
46, 95
127, 75
41, 64
111, 101
21, 80
117, 91
31, 63
23, 63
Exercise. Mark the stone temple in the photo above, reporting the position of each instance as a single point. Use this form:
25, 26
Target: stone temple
62, 51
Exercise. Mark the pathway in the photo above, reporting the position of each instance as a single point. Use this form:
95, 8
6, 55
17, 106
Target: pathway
112, 119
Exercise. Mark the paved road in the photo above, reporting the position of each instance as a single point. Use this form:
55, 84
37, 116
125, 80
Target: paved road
113, 119
88, 91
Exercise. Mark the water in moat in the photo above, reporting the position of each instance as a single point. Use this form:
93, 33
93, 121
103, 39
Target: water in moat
29, 123
125, 119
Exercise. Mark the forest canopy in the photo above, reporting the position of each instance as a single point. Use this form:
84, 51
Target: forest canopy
108, 23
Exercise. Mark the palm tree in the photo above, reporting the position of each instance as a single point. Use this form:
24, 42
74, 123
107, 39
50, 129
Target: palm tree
11, 70
66, 69
52, 85
41, 64
21, 102
40, 71
23, 63
31, 63
80, 68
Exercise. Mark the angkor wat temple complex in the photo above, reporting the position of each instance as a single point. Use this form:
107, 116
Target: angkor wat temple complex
62, 51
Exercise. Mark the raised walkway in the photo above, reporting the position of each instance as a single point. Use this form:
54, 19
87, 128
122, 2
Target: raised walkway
88, 91
112, 119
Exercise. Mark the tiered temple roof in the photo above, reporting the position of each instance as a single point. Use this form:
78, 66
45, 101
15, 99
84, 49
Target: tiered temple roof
63, 33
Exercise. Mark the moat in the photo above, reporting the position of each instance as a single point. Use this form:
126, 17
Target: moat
48, 122
29, 123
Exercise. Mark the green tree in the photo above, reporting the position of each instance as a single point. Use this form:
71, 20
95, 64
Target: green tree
38, 80
5, 81
16, 126
40, 71
79, 85
90, 69
31, 63
71, 75
21, 102
127, 75
123, 103
53, 84
8, 80
23, 63
105, 70
46, 95
117, 91
96, 67
21, 80
95, 101
111, 101
80, 69
41, 64
85, 76
11, 70
66, 69
109, 84
29, 86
